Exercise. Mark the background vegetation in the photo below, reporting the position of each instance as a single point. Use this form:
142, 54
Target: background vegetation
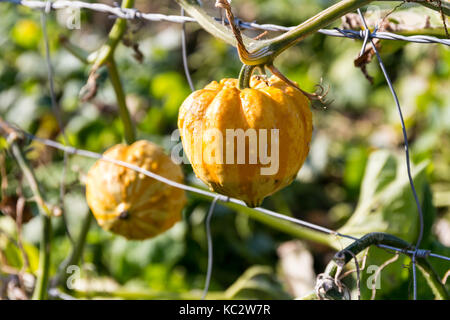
251, 259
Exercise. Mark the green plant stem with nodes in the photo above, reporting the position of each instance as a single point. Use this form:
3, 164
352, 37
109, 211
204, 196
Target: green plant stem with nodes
105, 55
376, 238
106, 52
290, 228
148, 294
40, 290
129, 130
263, 52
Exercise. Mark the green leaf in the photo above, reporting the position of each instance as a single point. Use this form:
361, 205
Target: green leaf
12, 253
386, 201
386, 204
354, 167
126, 259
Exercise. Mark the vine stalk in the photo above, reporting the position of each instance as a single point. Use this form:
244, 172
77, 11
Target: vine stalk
377, 238
264, 51
105, 55
129, 131
292, 229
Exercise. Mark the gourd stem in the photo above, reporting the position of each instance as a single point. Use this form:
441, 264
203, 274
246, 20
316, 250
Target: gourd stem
244, 76
129, 131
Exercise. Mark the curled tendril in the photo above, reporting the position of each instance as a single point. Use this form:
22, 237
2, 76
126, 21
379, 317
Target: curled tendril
319, 95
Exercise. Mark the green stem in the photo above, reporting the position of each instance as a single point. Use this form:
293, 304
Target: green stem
83, 56
144, 294
245, 76
357, 246
287, 227
320, 20
76, 51
264, 51
129, 131
40, 290
435, 5
77, 250
105, 55
106, 52
309, 296
439, 290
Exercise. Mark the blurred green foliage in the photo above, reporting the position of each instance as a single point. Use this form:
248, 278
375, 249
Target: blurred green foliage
329, 188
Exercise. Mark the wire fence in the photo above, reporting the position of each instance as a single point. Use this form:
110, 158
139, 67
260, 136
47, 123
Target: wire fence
131, 14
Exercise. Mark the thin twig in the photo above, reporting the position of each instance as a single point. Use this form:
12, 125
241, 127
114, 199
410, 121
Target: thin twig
361, 268
341, 264
444, 279
443, 18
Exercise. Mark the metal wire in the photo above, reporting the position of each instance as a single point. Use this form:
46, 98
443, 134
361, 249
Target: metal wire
222, 198
57, 113
210, 246
368, 37
184, 55
131, 14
